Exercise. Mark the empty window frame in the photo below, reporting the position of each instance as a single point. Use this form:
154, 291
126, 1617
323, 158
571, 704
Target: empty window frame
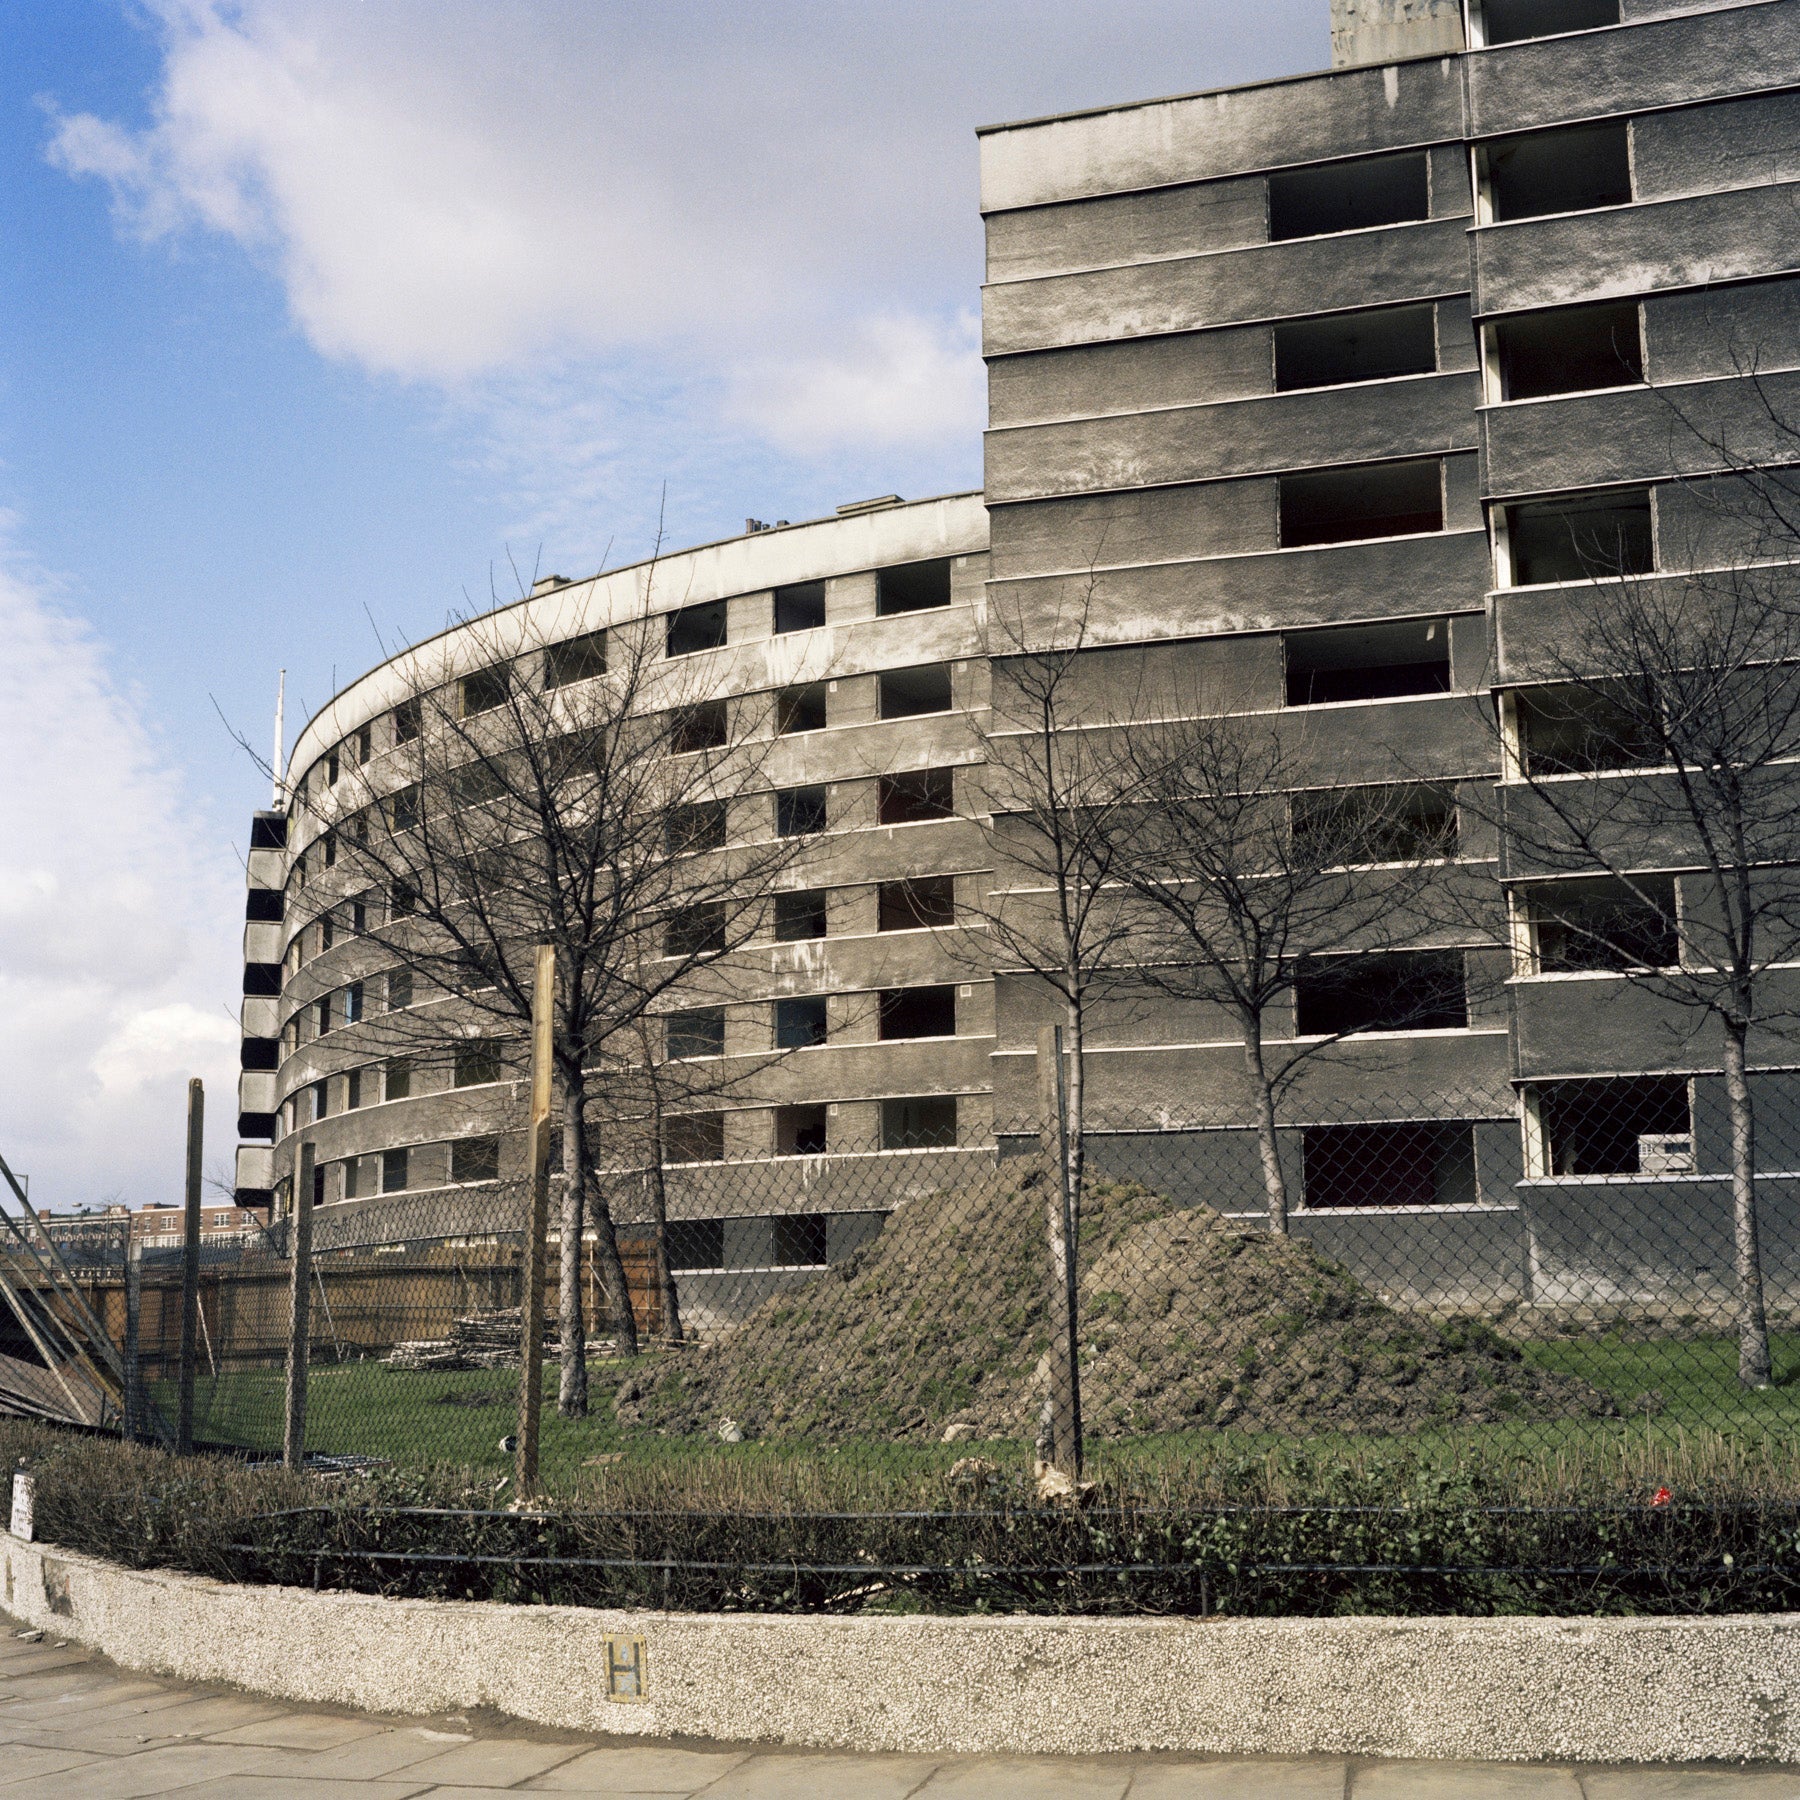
259, 1053
696, 628
799, 915
800, 811
404, 807
800, 708
1513, 21
694, 1138
396, 1078
477, 1064
1570, 350
322, 1015
333, 767
1575, 168
799, 1240
912, 587
262, 980
1388, 1165
927, 1122
353, 1003
399, 989
1349, 196
696, 1243
696, 825
268, 833
907, 693
403, 900
1371, 500
483, 691
700, 726
916, 904
1604, 924
1406, 990
475, 1159
1615, 1126
1367, 662
700, 1031
1573, 730
264, 905
351, 1183
800, 1131
408, 721
353, 1090
1399, 823
360, 745
697, 930
1363, 346
915, 797
328, 849
800, 1022
917, 1012
575, 659
799, 607
1581, 537
396, 1171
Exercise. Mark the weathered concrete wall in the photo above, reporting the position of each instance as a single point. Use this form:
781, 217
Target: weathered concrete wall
1378, 31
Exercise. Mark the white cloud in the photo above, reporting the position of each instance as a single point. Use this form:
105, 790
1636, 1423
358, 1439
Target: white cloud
114, 928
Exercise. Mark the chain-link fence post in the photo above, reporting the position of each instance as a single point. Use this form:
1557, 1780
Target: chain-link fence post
1064, 1399
134, 1359
293, 1440
190, 1270
537, 1228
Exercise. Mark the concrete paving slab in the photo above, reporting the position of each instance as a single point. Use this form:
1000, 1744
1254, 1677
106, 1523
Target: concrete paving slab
800, 1777
289, 1787
298, 1731
1690, 1784
1273, 1778
492, 1762
24, 1761
390, 1753
638, 1768
1441, 1781
149, 1772
1029, 1778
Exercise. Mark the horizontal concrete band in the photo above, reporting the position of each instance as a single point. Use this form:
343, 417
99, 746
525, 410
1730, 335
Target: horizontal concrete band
1632, 1690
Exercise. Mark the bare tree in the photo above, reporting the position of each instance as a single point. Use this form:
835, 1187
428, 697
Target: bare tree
591, 792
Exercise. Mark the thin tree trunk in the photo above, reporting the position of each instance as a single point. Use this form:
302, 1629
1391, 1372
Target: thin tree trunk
1267, 1143
572, 1386
1075, 1100
659, 1236
1753, 1325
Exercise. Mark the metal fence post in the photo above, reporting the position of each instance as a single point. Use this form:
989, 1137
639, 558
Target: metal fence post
134, 1360
190, 1270
1065, 1368
293, 1449
537, 1227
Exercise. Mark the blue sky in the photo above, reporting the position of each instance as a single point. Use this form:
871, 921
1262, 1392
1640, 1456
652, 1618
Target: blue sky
314, 311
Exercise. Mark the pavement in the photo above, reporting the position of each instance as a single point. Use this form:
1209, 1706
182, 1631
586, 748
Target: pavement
74, 1726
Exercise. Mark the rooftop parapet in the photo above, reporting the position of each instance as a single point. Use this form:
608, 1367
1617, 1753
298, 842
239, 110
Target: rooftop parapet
1381, 31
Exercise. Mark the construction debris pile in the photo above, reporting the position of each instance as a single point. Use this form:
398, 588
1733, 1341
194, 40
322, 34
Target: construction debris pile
483, 1340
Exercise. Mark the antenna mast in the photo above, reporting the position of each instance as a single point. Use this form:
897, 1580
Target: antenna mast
278, 763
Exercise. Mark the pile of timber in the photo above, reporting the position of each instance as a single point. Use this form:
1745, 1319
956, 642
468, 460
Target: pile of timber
483, 1340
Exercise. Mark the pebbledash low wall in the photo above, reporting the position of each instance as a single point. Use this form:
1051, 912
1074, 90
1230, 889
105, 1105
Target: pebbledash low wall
1589, 1690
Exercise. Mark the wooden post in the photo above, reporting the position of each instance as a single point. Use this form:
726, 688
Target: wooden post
293, 1443
190, 1271
537, 1228
1065, 1367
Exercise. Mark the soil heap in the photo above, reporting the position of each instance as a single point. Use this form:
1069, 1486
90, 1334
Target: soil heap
1189, 1322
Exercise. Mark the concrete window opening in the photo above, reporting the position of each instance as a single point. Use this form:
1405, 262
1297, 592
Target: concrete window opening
399, 989
360, 744
917, 1012
1576, 168
800, 1022
1581, 731
1513, 21
701, 726
800, 811
694, 1138
912, 587
697, 930
350, 1177
268, 833
359, 917
478, 784
916, 904
800, 1131
322, 1015
1349, 196
327, 932
700, 1031
353, 1090
1635, 1125
696, 1243
575, 659
696, 628
1347, 347
800, 607
799, 1240
475, 1159
1402, 823
1602, 924
799, 916
927, 1122
353, 1003
259, 1054
1571, 350
321, 1100
262, 980
907, 693
1408, 990
484, 691
1375, 500
408, 721
696, 825
1388, 1165
332, 769
396, 1078
800, 708
328, 849
1367, 662
396, 1171
318, 1184
1581, 537
915, 797
477, 1064
404, 808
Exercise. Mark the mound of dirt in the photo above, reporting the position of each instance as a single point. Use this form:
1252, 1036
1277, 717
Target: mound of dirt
1188, 1323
